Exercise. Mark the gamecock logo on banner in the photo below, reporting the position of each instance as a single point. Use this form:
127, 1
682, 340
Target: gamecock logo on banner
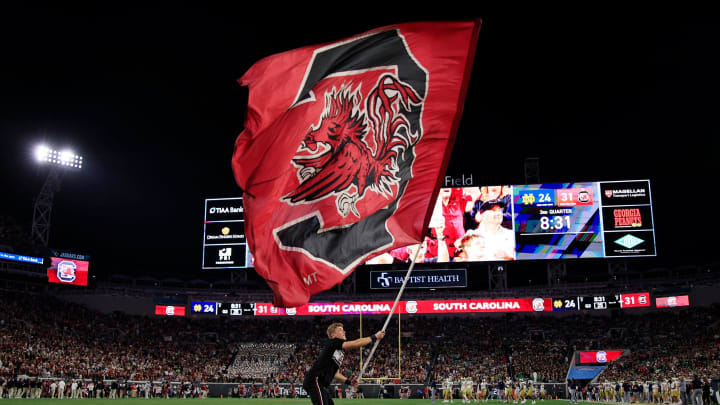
358, 152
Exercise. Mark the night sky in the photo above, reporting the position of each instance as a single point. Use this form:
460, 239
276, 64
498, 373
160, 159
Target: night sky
149, 97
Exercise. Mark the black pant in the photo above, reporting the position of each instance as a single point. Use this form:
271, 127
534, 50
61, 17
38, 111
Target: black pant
319, 395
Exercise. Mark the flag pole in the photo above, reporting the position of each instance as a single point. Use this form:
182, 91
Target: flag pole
387, 321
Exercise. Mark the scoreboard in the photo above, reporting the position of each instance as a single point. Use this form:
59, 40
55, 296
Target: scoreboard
554, 221
224, 243
493, 223
601, 302
583, 220
547, 221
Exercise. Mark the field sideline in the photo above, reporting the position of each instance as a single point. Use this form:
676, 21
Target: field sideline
219, 401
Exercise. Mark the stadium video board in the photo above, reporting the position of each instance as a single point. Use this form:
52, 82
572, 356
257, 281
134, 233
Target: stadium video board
673, 301
224, 243
599, 356
169, 310
20, 258
536, 222
68, 271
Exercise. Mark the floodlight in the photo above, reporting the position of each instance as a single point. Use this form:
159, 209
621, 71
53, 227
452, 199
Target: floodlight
41, 153
64, 158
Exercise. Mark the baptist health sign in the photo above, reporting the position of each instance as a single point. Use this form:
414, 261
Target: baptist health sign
393, 279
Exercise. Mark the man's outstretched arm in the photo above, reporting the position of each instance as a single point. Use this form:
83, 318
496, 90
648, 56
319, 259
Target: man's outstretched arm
354, 344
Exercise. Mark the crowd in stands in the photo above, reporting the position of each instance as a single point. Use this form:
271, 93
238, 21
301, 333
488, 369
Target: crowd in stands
259, 360
43, 337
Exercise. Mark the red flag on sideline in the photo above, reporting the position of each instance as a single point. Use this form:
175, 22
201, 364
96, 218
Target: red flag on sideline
344, 148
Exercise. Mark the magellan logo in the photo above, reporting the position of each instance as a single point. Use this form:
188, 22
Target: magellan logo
625, 193
629, 241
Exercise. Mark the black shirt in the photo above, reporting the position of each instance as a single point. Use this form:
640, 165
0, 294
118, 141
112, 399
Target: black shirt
329, 362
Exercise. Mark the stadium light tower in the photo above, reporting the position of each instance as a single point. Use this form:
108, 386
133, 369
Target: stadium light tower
59, 162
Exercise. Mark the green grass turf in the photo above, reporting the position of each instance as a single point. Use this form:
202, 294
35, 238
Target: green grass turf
220, 401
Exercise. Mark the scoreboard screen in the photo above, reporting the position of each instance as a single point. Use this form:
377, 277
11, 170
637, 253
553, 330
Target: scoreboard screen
557, 221
235, 308
169, 310
672, 302
224, 243
68, 271
600, 356
599, 302
536, 222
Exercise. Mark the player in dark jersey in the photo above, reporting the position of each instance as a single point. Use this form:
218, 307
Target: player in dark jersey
326, 367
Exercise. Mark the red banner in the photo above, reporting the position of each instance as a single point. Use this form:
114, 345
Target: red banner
410, 307
600, 356
672, 302
344, 148
68, 271
169, 310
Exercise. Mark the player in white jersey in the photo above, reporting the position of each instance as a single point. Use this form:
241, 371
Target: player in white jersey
666, 391
447, 390
466, 389
521, 393
508, 390
530, 392
675, 391
482, 392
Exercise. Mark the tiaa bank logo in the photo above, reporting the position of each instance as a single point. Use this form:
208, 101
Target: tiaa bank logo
66, 271
601, 357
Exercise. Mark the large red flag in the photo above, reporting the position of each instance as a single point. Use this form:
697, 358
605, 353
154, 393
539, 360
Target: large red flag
344, 148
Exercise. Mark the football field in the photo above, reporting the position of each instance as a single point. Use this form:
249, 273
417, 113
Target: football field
240, 401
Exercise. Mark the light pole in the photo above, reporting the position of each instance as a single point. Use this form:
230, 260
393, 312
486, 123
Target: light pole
59, 162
